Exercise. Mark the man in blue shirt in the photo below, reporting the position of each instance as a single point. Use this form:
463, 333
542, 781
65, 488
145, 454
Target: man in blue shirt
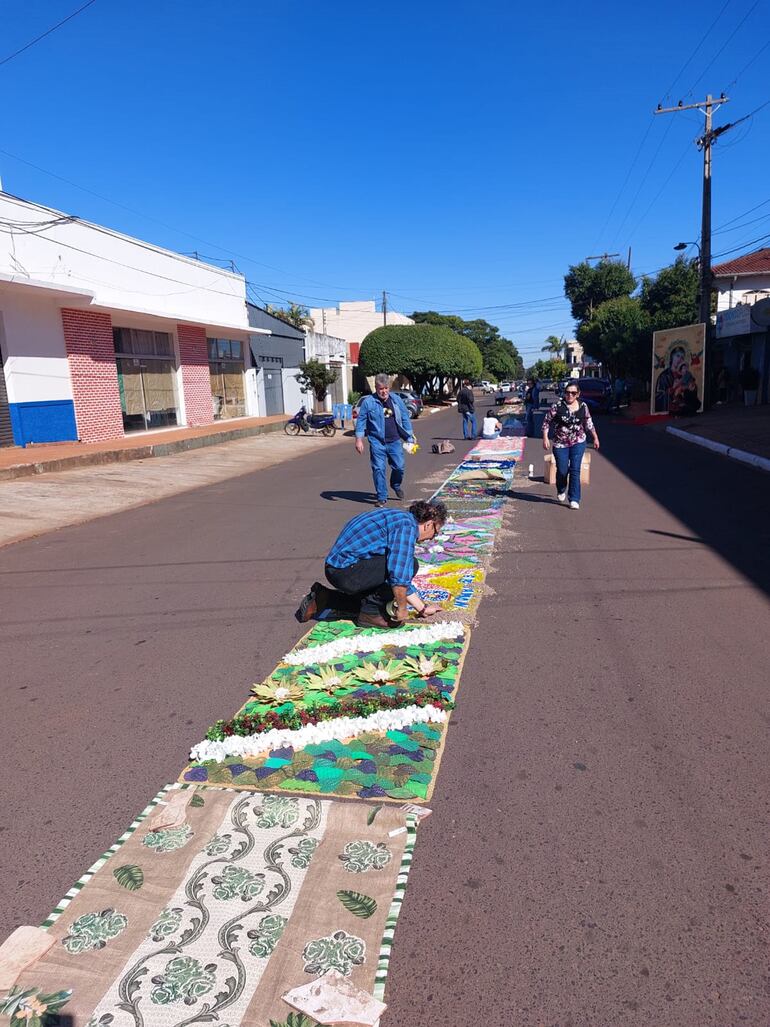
383, 419
371, 565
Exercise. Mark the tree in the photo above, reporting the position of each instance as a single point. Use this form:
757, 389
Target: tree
587, 286
315, 377
295, 314
484, 334
671, 299
554, 345
428, 355
499, 363
618, 335
548, 370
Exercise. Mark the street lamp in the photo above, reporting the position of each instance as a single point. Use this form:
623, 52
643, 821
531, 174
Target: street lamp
684, 245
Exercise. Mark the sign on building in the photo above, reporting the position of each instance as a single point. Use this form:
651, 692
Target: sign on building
734, 321
678, 370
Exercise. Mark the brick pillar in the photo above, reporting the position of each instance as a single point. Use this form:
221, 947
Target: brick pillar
194, 359
94, 374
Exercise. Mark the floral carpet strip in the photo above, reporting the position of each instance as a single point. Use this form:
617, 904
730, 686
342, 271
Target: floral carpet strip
391, 753
215, 919
361, 713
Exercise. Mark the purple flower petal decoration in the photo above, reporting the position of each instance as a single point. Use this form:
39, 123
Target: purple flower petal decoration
371, 792
366, 767
307, 775
286, 753
196, 774
237, 768
262, 772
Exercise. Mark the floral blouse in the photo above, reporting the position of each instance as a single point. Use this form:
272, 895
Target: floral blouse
568, 426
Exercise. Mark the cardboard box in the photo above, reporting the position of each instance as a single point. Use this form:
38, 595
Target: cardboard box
549, 469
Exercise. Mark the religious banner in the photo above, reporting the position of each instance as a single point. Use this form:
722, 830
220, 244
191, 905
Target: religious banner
678, 368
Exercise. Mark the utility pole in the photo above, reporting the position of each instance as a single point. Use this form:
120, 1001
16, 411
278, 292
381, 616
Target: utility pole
707, 106
603, 256
384, 307
628, 262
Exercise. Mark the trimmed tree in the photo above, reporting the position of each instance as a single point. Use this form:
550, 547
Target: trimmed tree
428, 355
315, 377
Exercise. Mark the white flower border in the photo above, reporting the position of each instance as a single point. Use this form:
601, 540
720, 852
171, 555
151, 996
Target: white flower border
314, 734
328, 651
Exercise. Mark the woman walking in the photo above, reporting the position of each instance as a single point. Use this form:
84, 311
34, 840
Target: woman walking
570, 420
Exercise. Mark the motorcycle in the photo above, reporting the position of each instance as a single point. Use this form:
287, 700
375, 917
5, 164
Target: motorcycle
311, 424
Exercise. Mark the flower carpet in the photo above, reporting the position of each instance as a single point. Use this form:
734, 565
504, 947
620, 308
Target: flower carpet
215, 919
246, 880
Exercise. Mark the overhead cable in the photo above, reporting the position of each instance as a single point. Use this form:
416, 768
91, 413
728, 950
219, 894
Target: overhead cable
48, 32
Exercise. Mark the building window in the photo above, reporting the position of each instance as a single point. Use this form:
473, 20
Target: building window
146, 378
228, 397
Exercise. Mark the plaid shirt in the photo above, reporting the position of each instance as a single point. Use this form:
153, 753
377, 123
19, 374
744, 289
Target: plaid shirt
390, 532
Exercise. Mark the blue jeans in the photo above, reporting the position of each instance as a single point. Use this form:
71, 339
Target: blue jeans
568, 461
381, 454
469, 424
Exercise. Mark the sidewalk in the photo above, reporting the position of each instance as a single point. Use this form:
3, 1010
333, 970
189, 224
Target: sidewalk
742, 433
17, 462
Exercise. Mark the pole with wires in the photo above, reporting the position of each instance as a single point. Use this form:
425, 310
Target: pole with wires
707, 106
384, 307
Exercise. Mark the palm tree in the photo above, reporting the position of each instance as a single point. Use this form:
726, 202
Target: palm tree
553, 345
295, 314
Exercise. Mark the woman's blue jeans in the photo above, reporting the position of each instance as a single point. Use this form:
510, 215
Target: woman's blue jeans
568, 460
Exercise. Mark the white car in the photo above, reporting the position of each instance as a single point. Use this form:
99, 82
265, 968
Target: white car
487, 387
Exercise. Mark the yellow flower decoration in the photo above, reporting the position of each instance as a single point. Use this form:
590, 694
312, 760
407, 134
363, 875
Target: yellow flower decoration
278, 692
425, 666
383, 673
328, 680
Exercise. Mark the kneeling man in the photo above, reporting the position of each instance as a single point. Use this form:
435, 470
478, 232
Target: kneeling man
371, 566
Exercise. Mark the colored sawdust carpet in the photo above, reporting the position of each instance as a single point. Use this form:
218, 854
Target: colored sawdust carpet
376, 734
214, 919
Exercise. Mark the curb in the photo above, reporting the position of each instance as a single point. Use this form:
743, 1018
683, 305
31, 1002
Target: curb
762, 463
119, 456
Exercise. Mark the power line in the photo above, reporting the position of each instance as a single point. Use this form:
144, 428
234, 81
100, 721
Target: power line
740, 246
48, 32
690, 59
743, 215
641, 184
747, 66
723, 46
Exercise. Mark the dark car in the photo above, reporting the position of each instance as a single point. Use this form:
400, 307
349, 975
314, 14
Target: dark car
412, 402
597, 394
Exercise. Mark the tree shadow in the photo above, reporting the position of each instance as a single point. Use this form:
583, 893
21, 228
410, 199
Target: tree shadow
351, 496
722, 502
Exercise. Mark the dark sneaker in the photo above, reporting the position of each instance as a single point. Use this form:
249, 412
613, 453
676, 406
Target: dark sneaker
312, 604
399, 493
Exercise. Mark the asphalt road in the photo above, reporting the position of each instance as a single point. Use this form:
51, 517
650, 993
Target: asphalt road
598, 850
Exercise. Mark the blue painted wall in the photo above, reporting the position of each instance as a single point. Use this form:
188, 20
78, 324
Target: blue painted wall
52, 421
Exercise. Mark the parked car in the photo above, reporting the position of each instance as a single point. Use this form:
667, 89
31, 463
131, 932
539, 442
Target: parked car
597, 394
487, 387
505, 386
412, 402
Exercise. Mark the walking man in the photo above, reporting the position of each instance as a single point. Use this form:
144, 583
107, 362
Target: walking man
384, 420
466, 405
371, 566
531, 404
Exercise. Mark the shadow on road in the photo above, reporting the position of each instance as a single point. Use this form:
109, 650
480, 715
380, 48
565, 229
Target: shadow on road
352, 497
724, 504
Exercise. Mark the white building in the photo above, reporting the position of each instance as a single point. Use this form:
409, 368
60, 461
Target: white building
352, 321
102, 334
332, 351
743, 317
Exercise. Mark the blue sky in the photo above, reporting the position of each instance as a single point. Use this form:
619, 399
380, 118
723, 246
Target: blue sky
459, 155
